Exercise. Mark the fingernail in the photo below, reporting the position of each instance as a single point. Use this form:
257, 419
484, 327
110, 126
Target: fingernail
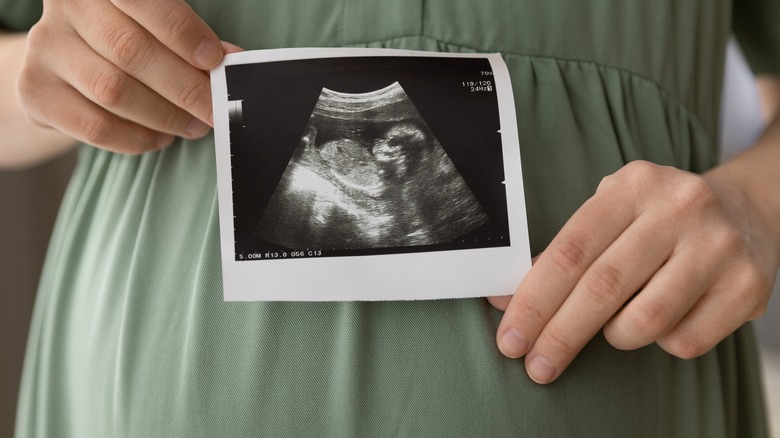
513, 344
196, 128
208, 54
540, 370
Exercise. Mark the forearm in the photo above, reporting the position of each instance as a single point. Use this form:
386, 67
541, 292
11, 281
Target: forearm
21, 143
769, 89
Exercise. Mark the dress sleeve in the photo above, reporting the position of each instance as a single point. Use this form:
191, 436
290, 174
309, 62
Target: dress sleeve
757, 29
19, 15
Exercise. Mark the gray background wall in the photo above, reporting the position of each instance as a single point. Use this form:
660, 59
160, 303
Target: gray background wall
768, 327
28, 204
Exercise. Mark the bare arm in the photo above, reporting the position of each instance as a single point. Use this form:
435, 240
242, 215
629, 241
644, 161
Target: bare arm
769, 90
23, 144
757, 170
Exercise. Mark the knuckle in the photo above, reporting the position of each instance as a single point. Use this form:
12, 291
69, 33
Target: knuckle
191, 95
754, 279
755, 287
27, 97
635, 177
107, 88
129, 48
560, 343
726, 239
173, 121
684, 346
639, 172
31, 112
650, 318
694, 193
176, 24
531, 311
94, 130
526, 310
25, 86
640, 169
609, 183
568, 256
39, 36
31, 73
605, 284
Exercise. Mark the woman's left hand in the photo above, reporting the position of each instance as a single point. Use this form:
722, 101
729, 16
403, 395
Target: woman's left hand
656, 255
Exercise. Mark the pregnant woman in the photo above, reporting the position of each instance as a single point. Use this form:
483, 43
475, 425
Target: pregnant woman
631, 323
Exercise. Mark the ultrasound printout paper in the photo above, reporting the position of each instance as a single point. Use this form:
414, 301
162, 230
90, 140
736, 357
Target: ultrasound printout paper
367, 174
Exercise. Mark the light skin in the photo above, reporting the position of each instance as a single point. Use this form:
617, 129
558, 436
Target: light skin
98, 72
657, 255
28, 144
769, 89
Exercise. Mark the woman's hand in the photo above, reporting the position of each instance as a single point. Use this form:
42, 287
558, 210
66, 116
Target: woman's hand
23, 145
124, 75
656, 255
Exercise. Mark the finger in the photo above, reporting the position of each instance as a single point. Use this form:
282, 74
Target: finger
601, 291
84, 120
178, 27
119, 93
501, 302
719, 312
584, 237
121, 41
664, 301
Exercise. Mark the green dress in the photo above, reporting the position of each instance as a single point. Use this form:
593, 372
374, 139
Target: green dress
131, 337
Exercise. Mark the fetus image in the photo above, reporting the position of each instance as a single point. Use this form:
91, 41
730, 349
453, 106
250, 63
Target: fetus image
368, 173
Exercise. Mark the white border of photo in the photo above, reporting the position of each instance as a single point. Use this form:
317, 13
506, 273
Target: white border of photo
459, 273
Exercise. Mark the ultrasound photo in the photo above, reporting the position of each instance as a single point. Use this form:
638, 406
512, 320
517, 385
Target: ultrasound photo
361, 174
336, 157
368, 173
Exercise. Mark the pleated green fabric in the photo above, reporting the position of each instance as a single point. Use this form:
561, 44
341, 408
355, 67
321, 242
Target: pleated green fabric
131, 338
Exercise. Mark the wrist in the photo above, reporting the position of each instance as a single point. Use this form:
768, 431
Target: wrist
749, 186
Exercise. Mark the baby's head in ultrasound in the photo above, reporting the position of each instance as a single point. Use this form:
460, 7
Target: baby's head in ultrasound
389, 150
400, 147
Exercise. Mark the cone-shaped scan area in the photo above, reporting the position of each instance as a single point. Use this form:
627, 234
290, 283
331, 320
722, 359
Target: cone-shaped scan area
368, 173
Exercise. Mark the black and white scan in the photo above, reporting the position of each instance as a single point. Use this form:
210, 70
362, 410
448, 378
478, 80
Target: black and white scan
368, 172
334, 157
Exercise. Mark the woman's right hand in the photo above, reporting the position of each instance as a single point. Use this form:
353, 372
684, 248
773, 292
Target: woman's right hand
124, 75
